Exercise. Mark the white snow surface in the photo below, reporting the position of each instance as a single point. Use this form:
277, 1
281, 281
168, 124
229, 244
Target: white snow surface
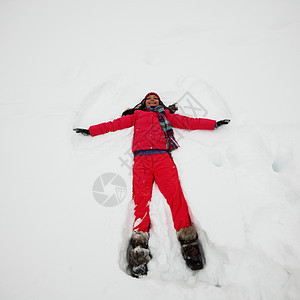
67, 64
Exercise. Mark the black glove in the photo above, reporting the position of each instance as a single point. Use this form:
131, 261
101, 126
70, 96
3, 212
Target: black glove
222, 122
82, 131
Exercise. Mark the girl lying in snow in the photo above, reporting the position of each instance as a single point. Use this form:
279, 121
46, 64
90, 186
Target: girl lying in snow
153, 141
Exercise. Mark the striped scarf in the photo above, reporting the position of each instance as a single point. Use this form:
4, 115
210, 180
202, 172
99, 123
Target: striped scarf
166, 127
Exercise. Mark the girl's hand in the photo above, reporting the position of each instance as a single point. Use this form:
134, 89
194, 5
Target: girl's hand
82, 131
222, 122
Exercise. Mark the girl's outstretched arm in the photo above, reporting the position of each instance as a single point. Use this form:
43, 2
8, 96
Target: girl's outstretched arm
117, 124
183, 122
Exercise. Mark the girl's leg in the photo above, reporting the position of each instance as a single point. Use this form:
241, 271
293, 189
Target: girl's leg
166, 177
142, 192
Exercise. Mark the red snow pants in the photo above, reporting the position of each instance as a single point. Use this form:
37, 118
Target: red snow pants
161, 169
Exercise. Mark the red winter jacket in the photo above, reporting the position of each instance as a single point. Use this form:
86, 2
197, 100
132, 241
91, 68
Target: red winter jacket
148, 133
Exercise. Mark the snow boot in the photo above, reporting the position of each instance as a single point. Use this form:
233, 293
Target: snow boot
191, 248
138, 254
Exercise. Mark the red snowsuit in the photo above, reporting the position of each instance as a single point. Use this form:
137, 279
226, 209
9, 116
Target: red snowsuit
160, 168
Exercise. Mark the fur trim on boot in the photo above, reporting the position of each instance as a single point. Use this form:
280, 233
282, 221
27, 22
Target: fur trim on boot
187, 235
139, 238
138, 254
191, 248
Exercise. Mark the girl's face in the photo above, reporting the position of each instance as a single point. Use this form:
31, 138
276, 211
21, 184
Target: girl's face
152, 100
